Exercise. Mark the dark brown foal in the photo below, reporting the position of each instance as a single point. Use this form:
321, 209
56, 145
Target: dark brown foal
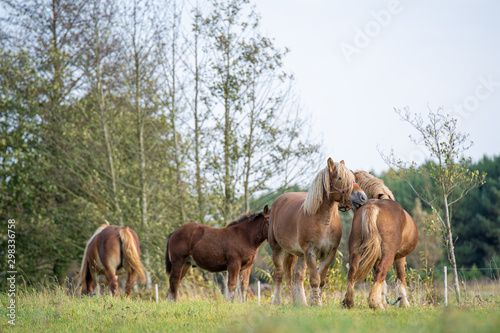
232, 249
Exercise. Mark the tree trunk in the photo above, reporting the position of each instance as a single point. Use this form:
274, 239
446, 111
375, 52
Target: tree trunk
142, 155
173, 117
249, 149
451, 250
102, 111
197, 126
227, 210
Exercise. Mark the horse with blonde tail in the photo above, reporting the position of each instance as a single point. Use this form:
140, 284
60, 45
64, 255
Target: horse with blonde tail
305, 227
382, 233
112, 250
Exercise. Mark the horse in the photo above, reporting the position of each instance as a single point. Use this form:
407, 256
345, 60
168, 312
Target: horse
382, 233
305, 227
232, 249
112, 250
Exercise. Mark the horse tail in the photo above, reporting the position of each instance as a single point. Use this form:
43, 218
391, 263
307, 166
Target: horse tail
131, 253
84, 268
81, 276
370, 249
168, 262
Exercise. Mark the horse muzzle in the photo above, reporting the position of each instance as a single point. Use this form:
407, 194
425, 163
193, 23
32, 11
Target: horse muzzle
358, 199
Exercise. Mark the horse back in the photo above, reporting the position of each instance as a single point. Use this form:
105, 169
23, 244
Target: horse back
396, 227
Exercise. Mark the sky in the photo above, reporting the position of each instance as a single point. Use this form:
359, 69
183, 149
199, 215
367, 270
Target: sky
356, 61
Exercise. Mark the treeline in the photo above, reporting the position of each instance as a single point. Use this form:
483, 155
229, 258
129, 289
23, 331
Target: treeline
142, 113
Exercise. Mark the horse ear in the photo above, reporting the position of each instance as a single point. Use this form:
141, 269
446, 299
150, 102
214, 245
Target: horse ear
370, 172
342, 162
331, 165
266, 210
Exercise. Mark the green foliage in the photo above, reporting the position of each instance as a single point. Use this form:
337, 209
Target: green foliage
97, 101
421, 283
477, 219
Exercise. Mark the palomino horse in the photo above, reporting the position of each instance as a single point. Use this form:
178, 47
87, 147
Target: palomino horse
112, 251
382, 233
232, 249
307, 226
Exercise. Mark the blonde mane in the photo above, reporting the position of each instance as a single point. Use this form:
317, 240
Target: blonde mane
321, 184
83, 269
373, 186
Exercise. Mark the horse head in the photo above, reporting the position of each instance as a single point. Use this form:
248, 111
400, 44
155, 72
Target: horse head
373, 186
343, 185
264, 218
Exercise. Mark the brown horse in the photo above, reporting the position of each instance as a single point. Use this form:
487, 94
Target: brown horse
232, 249
382, 233
112, 251
305, 227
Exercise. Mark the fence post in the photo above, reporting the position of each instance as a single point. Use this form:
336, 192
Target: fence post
445, 287
258, 291
156, 292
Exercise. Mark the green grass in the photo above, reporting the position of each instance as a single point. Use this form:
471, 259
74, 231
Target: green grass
53, 310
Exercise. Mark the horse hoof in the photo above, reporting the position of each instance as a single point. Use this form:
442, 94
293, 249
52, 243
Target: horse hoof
376, 306
300, 302
347, 304
316, 302
405, 304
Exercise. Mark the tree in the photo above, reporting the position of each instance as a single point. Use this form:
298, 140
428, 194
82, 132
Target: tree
448, 170
44, 39
197, 99
259, 130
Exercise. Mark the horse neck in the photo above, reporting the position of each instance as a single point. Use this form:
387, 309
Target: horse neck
329, 207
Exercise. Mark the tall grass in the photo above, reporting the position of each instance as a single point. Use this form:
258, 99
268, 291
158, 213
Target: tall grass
52, 308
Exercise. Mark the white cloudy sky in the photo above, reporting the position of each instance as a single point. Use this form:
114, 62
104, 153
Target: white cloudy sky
432, 53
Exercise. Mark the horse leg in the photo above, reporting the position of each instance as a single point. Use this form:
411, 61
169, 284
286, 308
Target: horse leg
324, 265
384, 292
245, 279
131, 277
401, 284
348, 301
176, 275
314, 279
278, 258
299, 295
233, 272
375, 300
288, 265
112, 282
91, 283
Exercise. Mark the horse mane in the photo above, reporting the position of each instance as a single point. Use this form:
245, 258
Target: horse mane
373, 186
321, 184
83, 269
242, 218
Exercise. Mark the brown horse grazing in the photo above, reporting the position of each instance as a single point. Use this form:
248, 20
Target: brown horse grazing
112, 251
382, 233
232, 249
305, 227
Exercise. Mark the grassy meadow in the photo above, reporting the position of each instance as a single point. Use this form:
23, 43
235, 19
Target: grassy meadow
52, 309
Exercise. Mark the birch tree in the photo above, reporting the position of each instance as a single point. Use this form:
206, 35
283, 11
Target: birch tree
448, 169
